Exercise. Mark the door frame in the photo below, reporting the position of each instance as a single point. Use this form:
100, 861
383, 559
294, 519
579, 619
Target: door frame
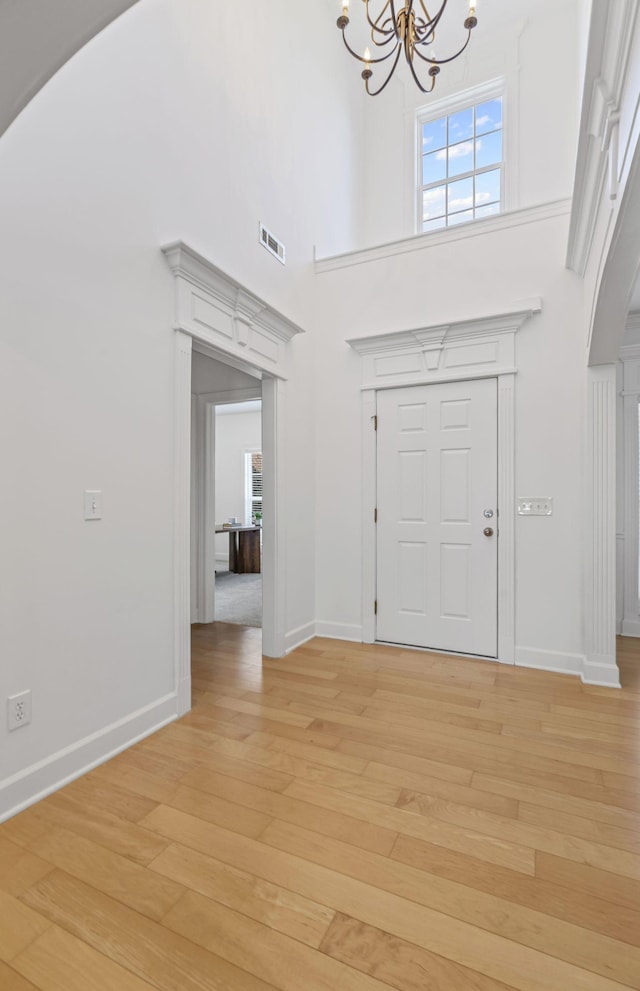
454, 352
222, 319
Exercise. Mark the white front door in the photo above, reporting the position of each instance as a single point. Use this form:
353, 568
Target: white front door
437, 562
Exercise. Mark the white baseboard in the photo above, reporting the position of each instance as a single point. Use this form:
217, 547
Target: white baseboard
338, 631
549, 660
39, 780
600, 669
295, 638
630, 628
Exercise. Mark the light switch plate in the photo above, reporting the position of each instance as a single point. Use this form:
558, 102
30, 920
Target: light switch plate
535, 505
93, 505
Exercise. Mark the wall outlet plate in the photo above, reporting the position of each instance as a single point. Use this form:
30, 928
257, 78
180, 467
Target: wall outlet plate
19, 710
535, 505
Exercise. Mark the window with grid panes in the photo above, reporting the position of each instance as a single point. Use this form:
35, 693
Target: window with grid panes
253, 484
461, 165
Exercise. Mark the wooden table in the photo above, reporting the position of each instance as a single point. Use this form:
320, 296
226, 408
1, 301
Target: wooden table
244, 548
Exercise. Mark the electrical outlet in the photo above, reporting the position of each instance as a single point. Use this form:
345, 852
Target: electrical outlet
19, 710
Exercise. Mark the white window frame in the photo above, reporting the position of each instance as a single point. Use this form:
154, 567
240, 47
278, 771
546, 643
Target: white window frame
450, 105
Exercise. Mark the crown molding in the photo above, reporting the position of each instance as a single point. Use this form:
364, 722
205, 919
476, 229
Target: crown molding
188, 264
224, 318
477, 348
434, 337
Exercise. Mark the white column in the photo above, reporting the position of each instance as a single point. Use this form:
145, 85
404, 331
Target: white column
600, 565
631, 490
182, 520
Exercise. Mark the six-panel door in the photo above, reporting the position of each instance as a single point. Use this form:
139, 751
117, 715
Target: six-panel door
436, 480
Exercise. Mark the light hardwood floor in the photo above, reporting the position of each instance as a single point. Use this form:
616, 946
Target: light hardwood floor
349, 818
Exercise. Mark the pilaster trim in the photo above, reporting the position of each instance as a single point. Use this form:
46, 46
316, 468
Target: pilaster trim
600, 564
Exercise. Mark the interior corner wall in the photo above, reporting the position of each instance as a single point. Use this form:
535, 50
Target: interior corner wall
152, 132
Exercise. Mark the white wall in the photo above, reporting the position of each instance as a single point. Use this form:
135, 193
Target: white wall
463, 279
536, 48
171, 124
236, 433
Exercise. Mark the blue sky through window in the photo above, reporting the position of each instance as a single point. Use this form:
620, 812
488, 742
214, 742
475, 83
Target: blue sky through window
462, 165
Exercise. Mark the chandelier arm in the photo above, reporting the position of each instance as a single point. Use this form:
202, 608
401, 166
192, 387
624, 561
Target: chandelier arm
368, 61
375, 25
391, 38
429, 22
416, 80
442, 61
391, 72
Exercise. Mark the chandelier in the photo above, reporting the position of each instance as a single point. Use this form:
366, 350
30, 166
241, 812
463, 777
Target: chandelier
403, 27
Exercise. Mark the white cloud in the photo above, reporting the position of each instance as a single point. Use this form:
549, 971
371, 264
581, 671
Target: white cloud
457, 151
434, 195
463, 203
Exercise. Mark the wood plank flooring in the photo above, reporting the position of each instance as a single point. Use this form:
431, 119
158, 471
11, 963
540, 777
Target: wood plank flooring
348, 818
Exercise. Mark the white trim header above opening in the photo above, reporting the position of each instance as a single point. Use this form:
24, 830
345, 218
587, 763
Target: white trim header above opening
476, 348
220, 313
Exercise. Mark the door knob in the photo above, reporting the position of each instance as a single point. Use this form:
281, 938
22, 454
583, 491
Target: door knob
488, 531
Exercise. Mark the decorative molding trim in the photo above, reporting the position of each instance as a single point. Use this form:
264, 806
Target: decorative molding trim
36, 782
229, 306
218, 310
339, 631
446, 352
600, 672
610, 35
181, 520
463, 349
274, 518
600, 561
369, 528
630, 357
302, 634
433, 239
207, 460
549, 660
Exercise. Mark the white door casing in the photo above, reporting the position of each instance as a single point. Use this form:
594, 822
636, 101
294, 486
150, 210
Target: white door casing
436, 478
478, 348
226, 321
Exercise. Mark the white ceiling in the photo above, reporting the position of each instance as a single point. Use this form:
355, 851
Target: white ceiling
37, 37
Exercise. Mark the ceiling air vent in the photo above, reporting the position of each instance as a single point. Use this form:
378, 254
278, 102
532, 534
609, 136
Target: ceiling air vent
268, 241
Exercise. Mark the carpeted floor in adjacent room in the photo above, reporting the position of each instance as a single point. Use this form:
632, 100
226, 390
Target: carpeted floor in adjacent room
238, 598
